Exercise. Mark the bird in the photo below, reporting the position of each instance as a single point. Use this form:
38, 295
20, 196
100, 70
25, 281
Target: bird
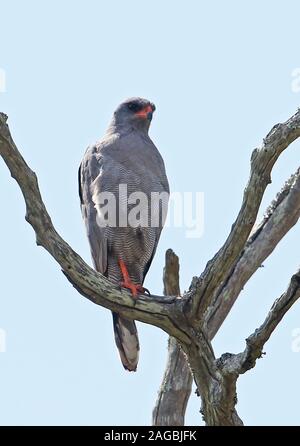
125, 157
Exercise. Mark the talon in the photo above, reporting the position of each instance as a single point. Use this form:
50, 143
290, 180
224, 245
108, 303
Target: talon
143, 290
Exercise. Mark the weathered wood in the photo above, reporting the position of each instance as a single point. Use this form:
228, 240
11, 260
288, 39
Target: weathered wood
282, 214
175, 389
262, 162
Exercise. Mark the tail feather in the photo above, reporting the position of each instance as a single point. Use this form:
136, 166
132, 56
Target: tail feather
127, 341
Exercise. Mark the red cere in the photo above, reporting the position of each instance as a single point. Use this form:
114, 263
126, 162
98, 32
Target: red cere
143, 113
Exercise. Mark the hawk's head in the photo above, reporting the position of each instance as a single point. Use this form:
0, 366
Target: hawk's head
136, 112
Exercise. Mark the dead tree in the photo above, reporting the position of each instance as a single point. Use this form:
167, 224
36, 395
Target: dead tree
193, 319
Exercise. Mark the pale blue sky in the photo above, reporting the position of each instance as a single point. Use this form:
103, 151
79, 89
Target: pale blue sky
220, 76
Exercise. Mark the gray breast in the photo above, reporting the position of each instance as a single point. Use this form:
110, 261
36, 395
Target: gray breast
136, 165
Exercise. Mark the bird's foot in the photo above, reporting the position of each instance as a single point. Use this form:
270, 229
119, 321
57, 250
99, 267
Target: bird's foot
135, 289
127, 282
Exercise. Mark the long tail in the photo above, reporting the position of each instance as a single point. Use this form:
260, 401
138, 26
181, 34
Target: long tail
127, 341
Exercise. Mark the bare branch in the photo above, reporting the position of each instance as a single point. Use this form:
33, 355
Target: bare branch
177, 381
219, 397
231, 366
164, 312
280, 217
217, 391
257, 340
262, 162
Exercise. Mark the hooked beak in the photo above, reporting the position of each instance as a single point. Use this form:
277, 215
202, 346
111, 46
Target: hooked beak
146, 113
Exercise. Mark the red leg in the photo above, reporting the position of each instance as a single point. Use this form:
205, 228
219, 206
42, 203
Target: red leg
127, 282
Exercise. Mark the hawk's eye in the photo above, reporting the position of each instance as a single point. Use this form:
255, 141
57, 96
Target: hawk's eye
134, 107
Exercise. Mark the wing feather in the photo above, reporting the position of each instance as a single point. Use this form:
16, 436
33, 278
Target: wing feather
87, 174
